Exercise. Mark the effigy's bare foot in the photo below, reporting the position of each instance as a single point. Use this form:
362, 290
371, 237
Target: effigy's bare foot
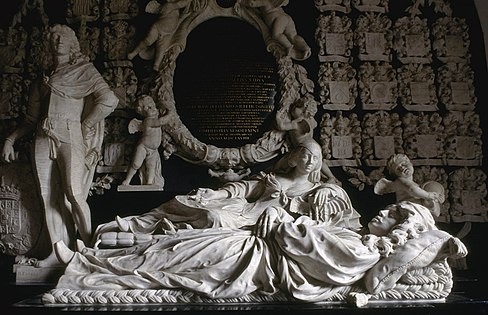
49, 261
63, 253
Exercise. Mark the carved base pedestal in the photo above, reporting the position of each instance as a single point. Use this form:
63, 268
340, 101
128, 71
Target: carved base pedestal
29, 274
122, 188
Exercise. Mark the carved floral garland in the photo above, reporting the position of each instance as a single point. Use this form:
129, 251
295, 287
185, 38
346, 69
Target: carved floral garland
178, 140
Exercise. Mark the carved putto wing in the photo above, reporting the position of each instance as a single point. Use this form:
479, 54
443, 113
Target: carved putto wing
135, 125
153, 7
383, 186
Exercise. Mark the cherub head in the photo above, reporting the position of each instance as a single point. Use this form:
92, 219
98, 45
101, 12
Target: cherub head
399, 166
146, 106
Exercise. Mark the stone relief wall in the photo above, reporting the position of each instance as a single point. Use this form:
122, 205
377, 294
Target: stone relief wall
411, 77
387, 83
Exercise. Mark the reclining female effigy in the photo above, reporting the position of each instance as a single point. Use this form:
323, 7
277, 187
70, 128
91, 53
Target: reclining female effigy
304, 245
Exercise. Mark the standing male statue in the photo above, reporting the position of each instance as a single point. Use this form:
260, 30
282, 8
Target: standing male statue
67, 110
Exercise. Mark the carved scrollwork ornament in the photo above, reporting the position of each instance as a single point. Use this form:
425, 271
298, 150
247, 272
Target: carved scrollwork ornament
416, 87
382, 136
340, 137
374, 37
378, 86
82, 10
380, 6
412, 40
451, 40
13, 49
468, 195
456, 87
338, 86
334, 37
423, 138
343, 6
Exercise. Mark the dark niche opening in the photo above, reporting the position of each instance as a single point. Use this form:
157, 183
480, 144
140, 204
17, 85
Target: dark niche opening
225, 83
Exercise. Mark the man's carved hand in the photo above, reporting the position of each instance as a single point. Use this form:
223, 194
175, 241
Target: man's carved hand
8, 153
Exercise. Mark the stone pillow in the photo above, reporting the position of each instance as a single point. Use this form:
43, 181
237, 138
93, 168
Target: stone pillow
416, 253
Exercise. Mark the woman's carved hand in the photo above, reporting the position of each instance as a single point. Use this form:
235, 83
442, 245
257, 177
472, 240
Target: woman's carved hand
319, 209
203, 195
266, 222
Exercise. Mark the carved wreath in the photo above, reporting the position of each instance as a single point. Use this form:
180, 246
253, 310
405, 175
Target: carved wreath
293, 81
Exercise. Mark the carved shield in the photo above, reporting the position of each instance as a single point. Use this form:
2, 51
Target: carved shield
20, 210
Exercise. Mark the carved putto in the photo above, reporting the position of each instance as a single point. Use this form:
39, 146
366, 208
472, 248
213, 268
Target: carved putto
338, 86
374, 37
160, 37
401, 182
277, 27
146, 159
378, 87
416, 87
298, 120
334, 37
